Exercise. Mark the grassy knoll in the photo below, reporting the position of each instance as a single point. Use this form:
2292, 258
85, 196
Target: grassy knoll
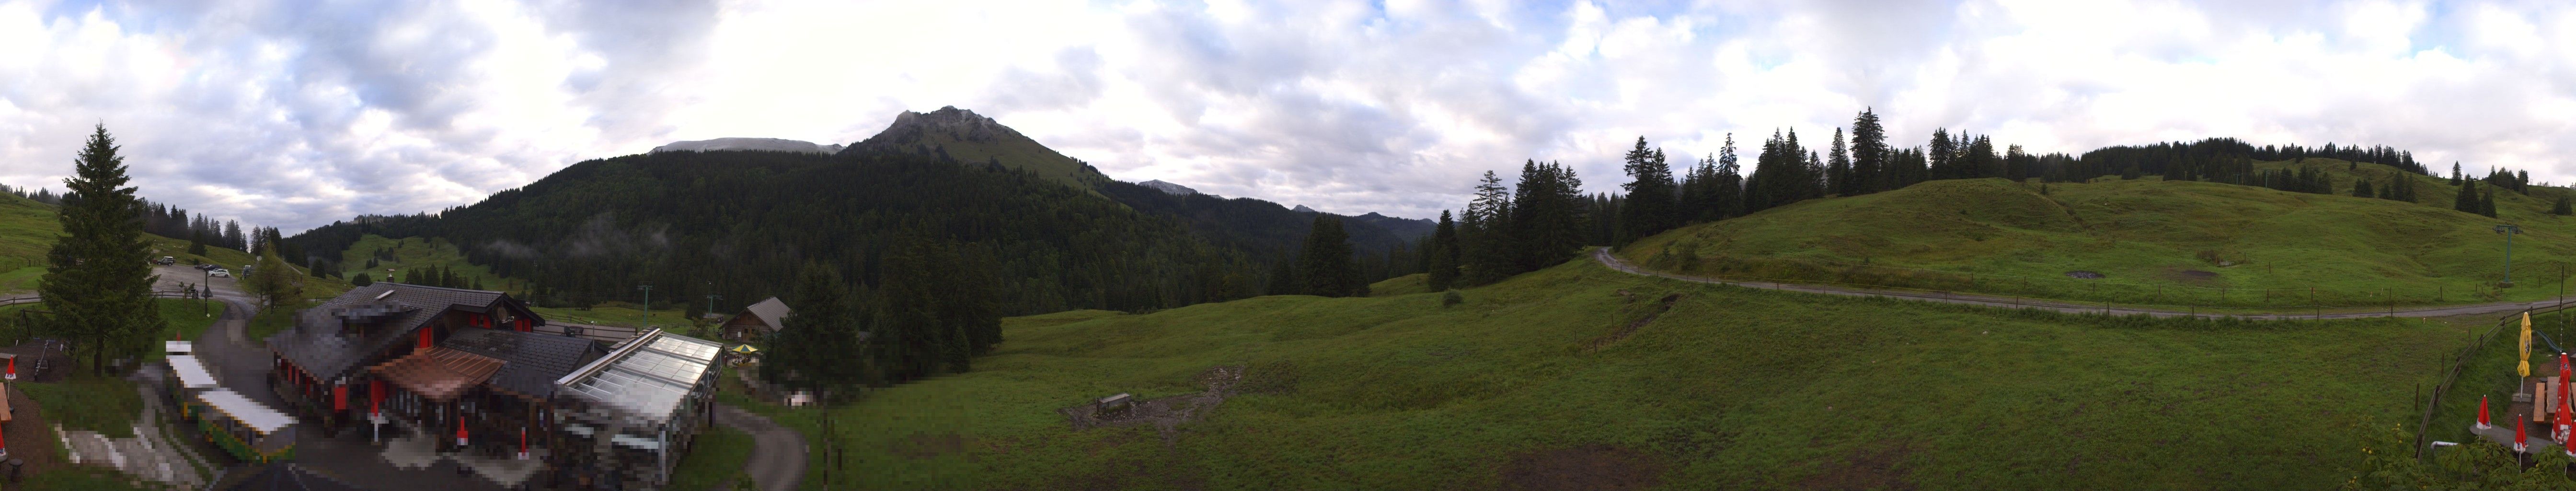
1401, 285
613, 314
1731, 389
2166, 243
715, 461
413, 253
86, 402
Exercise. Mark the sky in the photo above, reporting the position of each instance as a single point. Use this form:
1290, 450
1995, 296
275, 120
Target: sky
294, 114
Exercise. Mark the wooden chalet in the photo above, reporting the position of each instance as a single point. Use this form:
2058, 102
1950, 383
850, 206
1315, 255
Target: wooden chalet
757, 321
426, 359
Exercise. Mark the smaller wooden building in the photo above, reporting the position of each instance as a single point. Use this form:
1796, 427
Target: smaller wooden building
757, 321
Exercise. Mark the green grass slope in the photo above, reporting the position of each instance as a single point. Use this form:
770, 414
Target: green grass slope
412, 253
1528, 385
2165, 243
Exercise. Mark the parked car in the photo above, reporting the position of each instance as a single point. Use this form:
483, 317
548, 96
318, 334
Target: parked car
167, 260
206, 267
221, 273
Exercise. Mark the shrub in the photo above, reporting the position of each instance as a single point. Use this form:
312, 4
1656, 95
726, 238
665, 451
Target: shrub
1451, 298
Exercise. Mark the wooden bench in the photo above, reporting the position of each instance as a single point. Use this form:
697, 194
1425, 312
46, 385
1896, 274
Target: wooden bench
2543, 399
1115, 403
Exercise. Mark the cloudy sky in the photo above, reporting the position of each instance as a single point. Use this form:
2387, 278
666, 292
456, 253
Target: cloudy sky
297, 113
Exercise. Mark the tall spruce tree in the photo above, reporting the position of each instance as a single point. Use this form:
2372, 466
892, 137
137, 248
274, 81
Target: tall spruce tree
1444, 254
1485, 248
1325, 263
1838, 168
1649, 208
99, 283
815, 348
2467, 200
1548, 216
2486, 203
1869, 155
1941, 152
1727, 194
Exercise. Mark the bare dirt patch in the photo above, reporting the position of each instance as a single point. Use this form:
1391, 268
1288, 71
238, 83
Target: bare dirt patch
2189, 275
1164, 414
2084, 275
1591, 467
1866, 468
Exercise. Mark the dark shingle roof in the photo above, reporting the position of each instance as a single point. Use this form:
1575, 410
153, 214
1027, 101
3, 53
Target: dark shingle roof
317, 344
770, 312
532, 361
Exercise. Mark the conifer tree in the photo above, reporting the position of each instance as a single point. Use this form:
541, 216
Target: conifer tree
2361, 188
1838, 168
2486, 203
1325, 263
1485, 247
98, 282
1649, 209
1940, 153
2467, 200
1444, 254
1728, 192
1869, 154
813, 348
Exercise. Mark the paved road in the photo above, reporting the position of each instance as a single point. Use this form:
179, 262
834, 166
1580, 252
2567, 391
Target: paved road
777, 453
1603, 255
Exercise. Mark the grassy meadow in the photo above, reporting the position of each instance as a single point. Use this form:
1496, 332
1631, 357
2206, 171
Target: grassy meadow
1529, 384
2157, 243
412, 253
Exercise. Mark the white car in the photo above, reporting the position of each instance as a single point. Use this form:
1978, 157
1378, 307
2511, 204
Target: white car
221, 273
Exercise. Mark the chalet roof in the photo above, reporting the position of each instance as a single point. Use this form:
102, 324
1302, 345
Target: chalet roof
438, 373
319, 345
647, 377
771, 312
530, 362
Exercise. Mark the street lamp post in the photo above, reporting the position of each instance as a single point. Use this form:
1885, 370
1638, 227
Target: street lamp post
2509, 231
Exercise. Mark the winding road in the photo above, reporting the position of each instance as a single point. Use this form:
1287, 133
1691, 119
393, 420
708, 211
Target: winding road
1603, 255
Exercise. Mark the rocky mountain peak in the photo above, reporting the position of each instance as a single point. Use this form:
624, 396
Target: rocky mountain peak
960, 123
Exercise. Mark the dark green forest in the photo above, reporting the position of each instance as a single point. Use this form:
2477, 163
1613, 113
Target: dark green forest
741, 224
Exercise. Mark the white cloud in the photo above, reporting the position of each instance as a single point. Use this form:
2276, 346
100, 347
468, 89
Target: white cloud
296, 115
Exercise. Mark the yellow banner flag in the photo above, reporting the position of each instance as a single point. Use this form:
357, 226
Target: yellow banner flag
2524, 369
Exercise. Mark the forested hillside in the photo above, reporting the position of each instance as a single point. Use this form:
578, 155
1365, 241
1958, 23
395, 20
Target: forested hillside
741, 224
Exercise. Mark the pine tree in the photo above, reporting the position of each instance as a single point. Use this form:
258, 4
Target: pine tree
1838, 168
98, 283
197, 243
2561, 207
1869, 154
1325, 262
2456, 178
1649, 209
2486, 203
1941, 151
362, 279
2361, 187
1444, 254
1728, 192
813, 348
1485, 249
2467, 200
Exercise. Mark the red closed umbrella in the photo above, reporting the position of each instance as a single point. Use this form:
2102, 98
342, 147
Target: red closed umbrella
2482, 413
2518, 437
